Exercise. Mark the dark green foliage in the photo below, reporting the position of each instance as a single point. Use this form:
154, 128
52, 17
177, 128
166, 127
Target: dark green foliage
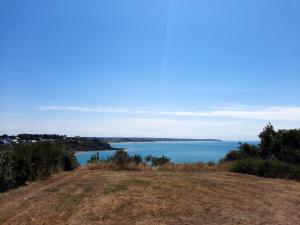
23, 162
7, 172
27, 137
157, 161
69, 161
232, 156
283, 145
278, 155
267, 168
121, 158
245, 151
286, 146
249, 151
137, 159
267, 137
94, 158
84, 144
74, 143
211, 163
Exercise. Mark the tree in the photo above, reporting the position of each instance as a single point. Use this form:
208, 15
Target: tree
267, 138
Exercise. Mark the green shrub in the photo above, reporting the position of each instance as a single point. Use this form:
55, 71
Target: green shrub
232, 156
157, 161
7, 172
267, 168
137, 159
211, 163
22, 162
121, 158
94, 158
69, 161
286, 146
244, 151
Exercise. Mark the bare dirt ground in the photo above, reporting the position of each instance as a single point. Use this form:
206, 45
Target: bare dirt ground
152, 197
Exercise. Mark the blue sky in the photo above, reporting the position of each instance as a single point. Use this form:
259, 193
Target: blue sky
163, 68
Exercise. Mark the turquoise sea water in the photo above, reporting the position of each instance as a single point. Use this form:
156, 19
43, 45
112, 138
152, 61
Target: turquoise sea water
177, 151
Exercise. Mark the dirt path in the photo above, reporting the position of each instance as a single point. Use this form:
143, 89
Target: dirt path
104, 197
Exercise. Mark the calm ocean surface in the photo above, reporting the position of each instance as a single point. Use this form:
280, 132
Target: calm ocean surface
177, 151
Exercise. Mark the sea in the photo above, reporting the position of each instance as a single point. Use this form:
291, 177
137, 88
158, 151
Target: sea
177, 151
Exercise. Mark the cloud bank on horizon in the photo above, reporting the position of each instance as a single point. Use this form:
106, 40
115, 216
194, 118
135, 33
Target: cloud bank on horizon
227, 123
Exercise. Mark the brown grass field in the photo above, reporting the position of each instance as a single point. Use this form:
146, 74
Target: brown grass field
94, 196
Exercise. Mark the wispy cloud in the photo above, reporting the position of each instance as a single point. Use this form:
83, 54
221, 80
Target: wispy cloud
238, 112
85, 109
262, 113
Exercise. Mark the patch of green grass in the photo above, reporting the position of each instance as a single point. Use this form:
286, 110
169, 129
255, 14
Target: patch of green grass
52, 189
204, 182
91, 216
137, 182
123, 186
115, 189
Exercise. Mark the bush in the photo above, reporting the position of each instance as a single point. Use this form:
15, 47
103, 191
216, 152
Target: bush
286, 146
244, 151
232, 156
157, 161
23, 162
267, 168
69, 161
121, 158
94, 158
7, 172
137, 159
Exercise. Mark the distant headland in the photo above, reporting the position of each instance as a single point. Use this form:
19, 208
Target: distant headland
78, 143
147, 139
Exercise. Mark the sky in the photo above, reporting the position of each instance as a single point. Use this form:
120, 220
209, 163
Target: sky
159, 68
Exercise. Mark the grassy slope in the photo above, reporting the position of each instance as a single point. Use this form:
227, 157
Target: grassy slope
152, 197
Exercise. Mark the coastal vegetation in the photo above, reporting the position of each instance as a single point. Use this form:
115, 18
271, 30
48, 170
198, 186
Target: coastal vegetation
76, 143
277, 155
20, 163
121, 160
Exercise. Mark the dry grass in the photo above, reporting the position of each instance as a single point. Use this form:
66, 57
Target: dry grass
192, 167
114, 167
93, 196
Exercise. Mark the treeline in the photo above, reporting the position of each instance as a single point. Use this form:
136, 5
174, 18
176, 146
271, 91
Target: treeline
277, 155
36, 137
86, 144
27, 162
75, 143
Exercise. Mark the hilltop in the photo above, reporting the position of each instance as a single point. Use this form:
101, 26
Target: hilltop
152, 197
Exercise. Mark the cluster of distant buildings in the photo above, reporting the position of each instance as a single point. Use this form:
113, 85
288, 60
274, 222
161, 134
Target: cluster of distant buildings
9, 140
17, 140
